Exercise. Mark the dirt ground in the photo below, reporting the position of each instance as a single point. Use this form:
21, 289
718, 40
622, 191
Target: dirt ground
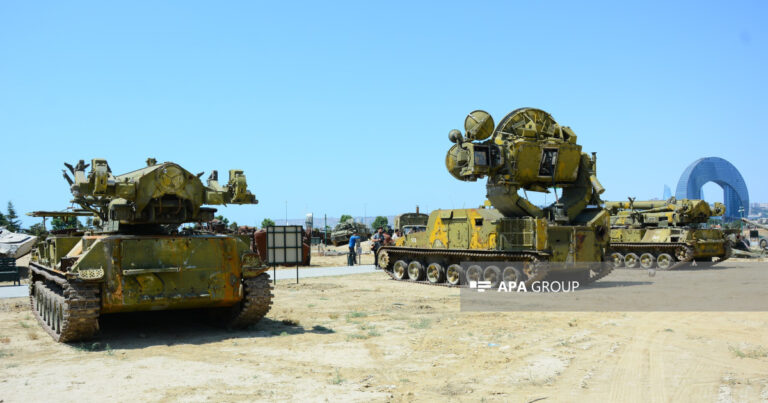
365, 337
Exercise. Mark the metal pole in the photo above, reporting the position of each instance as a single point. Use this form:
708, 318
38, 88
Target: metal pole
325, 229
297, 274
274, 275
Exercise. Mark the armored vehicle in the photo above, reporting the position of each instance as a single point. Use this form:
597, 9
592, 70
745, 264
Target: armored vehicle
515, 241
344, 231
411, 222
665, 234
136, 260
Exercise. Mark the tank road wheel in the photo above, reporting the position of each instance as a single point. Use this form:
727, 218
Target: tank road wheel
763, 244
435, 273
664, 261
492, 274
512, 274
617, 259
416, 271
631, 260
454, 275
681, 254
474, 273
646, 260
383, 260
400, 270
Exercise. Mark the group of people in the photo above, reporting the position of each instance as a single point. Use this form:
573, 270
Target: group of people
379, 239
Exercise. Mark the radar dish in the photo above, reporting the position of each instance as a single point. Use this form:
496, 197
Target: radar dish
528, 122
478, 125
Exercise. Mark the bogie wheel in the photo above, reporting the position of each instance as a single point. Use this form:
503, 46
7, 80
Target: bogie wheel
681, 254
474, 273
435, 273
617, 259
512, 274
454, 275
763, 244
492, 274
383, 260
416, 271
400, 270
631, 260
664, 261
647, 260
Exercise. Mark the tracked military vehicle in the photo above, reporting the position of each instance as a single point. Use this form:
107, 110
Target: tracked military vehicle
136, 260
665, 234
344, 230
516, 240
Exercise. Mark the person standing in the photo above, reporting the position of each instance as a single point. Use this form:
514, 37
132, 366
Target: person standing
354, 240
377, 239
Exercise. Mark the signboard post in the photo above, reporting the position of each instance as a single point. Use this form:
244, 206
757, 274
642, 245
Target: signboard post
284, 247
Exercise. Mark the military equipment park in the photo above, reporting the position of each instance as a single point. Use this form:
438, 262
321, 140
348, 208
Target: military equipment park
510, 240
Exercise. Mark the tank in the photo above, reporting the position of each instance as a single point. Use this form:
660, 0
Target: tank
136, 259
411, 222
344, 230
510, 239
665, 234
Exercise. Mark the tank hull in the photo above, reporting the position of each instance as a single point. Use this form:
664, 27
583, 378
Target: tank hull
667, 248
467, 245
74, 280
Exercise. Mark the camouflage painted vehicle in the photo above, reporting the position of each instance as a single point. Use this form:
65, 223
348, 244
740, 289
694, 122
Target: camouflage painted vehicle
136, 260
344, 231
516, 240
411, 222
665, 234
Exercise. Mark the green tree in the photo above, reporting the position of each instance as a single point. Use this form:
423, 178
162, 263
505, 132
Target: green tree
37, 230
3, 220
60, 223
12, 222
380, 221
233, 226
267, 223
345, 217
223, 219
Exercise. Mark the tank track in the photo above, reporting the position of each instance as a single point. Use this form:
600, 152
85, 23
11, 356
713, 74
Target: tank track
676, 250
257, 300
540, 274
68, 311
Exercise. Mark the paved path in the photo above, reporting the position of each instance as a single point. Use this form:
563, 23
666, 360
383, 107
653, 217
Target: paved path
15, 291
304, 272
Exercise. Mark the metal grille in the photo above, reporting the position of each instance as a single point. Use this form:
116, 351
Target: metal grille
517, 233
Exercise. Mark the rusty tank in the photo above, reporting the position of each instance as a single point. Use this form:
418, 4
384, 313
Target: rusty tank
509, 238
136, 259
665, 234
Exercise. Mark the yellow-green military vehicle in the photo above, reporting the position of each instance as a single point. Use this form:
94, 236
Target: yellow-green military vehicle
665, 234
137, 260
516, 241
344, 230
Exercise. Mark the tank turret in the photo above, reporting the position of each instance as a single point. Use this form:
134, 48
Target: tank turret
159, 194
654, 213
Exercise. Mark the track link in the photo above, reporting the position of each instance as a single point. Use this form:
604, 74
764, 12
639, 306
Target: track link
68, 312
257, 300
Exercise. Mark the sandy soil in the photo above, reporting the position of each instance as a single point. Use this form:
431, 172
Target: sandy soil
365, 337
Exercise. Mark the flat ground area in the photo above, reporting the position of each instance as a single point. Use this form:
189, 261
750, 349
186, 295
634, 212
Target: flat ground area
368, 338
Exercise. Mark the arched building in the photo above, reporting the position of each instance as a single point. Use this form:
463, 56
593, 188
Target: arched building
722, 172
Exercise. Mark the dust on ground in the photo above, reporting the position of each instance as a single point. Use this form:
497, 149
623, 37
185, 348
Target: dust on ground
368, 338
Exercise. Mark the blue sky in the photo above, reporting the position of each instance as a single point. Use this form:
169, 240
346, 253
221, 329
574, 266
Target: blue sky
345, 107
